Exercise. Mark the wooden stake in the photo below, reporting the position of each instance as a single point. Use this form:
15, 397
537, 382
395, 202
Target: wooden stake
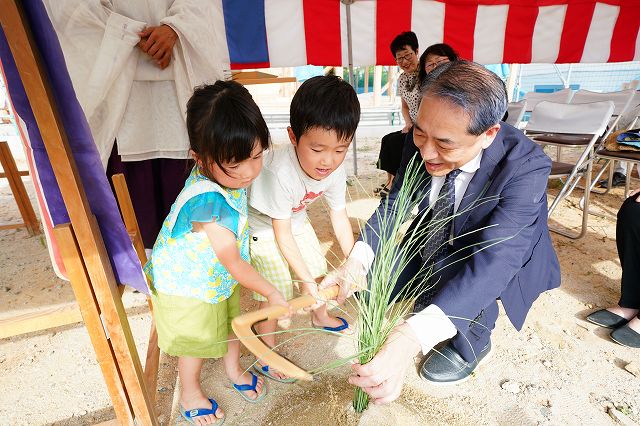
40, 319
19, 192
74, 264
152, 363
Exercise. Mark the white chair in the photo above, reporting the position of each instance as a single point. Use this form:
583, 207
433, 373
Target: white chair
516, 112
534, 98
624, 101
570, 126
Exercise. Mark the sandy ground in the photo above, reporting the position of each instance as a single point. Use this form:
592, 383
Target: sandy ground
557, 370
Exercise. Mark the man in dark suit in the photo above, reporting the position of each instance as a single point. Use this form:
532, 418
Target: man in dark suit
498, 248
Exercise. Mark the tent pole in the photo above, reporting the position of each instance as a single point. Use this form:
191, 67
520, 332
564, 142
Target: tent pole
348, 4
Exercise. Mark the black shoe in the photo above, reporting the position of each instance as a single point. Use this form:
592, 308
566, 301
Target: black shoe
606, 319
447, 367
625, 336
618, 180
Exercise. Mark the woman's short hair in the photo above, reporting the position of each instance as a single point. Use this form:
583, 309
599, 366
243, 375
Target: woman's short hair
440, 49
407, 38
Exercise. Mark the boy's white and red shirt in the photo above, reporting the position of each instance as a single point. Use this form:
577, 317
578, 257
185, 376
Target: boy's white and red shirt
283, 191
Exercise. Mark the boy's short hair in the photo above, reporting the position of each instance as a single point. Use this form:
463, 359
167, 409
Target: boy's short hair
326, 102
407, 38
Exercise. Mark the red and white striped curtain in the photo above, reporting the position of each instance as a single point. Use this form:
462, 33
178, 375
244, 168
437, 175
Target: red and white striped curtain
298, 32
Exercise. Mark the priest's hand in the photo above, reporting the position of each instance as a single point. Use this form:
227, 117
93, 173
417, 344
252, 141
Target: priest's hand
382, 377
158, 43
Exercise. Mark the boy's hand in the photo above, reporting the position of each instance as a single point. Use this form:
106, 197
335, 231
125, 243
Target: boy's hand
312, 289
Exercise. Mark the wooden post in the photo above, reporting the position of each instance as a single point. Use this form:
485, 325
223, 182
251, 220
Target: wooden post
391, 79
89, 239
514, 70
377, 84
366, 79
19, 192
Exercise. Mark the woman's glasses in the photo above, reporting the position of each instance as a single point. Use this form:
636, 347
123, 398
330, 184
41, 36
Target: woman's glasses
429, 66
405, 58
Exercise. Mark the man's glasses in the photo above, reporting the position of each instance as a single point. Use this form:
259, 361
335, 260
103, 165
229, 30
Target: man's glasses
405, 58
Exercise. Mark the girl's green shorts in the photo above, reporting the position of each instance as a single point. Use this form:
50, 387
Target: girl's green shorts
191, 327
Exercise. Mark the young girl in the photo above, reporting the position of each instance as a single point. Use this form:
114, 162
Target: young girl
202, 251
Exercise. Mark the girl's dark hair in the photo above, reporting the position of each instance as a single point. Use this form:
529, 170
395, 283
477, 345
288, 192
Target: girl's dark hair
439, 49
224, 123
407, 38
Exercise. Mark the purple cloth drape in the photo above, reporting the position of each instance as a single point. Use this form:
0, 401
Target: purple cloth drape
101, 200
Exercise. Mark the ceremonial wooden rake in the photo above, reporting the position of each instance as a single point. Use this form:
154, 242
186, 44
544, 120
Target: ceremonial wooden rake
243, 328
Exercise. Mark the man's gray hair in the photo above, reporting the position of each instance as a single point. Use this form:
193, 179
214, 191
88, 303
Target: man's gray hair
480, 92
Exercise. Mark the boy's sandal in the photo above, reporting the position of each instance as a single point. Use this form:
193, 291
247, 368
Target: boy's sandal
338, 329
190, 415
384, 192
241, 389
264, 370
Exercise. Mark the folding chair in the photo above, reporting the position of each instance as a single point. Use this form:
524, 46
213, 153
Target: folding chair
625, 112
516, 112
570, 126
534, 98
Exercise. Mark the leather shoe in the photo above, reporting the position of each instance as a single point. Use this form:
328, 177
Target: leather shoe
625, 336
447, 367
618, 180
606, 319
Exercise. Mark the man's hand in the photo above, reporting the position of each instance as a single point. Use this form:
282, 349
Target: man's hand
383, 376
406, 128
158, 43
349, 277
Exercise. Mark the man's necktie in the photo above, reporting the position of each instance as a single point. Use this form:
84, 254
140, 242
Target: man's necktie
438, 232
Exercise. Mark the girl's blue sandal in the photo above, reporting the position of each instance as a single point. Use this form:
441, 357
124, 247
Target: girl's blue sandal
241, 389
189, 415
337, 329
264, 370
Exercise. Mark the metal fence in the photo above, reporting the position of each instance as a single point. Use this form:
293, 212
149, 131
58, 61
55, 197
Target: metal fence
595, 77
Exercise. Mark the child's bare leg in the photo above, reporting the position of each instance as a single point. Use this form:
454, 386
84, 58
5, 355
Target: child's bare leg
236, 373
321, 318
267, 330
192, 396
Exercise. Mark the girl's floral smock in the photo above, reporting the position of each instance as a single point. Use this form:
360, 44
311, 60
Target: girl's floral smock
183, 263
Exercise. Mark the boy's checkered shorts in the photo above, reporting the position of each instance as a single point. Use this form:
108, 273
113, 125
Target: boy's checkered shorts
269, 262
